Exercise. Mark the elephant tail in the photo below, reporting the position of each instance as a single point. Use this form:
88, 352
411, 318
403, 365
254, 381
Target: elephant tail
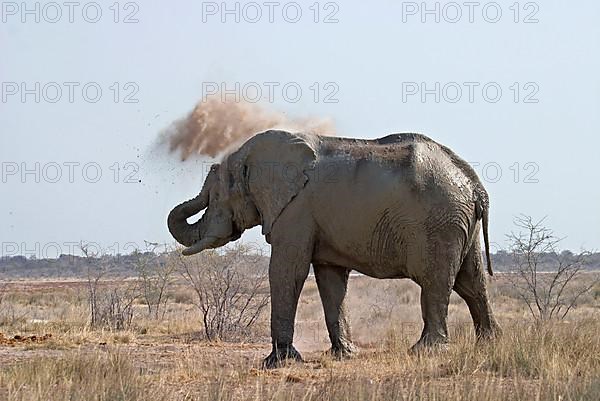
486, 240
482, 208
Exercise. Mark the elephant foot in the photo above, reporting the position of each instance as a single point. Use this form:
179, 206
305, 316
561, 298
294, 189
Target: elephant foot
279, 355
346, 350
430, 343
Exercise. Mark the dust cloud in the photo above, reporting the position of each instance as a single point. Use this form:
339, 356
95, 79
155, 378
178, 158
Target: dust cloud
213, 127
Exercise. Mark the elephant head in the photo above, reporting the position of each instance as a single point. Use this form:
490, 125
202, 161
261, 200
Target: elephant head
251, 186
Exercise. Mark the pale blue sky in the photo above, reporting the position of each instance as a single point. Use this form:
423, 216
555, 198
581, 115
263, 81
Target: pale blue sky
368, 54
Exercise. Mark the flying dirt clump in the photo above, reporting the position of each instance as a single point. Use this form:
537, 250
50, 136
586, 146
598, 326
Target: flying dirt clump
215, 126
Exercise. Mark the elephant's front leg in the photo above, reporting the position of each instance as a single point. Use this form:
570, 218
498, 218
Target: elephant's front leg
288, 270
332, 282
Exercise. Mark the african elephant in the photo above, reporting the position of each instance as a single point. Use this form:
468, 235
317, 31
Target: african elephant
401, 206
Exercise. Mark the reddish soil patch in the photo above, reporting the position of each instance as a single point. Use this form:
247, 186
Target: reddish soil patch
23, 339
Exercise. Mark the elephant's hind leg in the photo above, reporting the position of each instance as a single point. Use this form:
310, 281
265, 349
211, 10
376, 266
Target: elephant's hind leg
470, 284
332, 282
436, 285
434, 308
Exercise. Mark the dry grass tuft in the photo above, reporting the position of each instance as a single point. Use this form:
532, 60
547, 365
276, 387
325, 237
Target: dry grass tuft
76, 376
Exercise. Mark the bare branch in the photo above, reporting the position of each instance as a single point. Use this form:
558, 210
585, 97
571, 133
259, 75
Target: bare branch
543, 277
231, 289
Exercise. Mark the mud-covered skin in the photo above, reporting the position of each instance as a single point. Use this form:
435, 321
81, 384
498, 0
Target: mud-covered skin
401, 206
332, 282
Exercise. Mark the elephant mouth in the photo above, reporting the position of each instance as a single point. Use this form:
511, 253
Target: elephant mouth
200, 245
209, 242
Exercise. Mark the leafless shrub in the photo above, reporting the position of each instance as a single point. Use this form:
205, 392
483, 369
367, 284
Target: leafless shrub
231, 289
110, 304
386, 301
155, 275
115, 306
95, 271
550, 283
3, 292
10, 314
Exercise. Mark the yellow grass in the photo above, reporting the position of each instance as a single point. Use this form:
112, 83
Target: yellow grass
168, 359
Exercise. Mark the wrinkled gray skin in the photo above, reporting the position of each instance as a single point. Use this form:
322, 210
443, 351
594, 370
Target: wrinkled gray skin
402, 206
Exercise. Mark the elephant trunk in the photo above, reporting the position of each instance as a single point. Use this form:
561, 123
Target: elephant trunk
185, 233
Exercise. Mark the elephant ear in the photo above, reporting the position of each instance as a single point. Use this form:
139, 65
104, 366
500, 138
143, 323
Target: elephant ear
274, 172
